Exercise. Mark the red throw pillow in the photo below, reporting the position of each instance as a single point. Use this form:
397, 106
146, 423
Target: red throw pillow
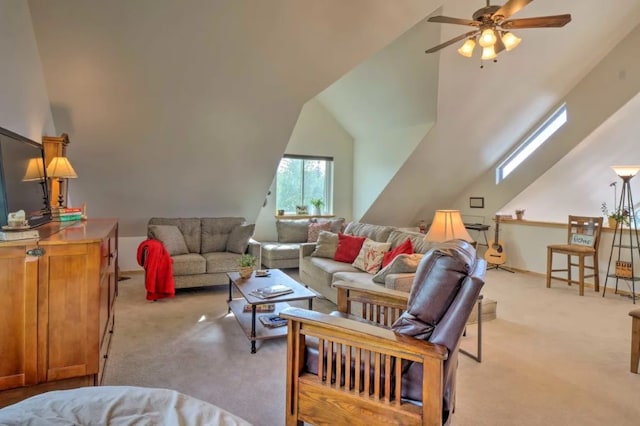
404, 248
348, 248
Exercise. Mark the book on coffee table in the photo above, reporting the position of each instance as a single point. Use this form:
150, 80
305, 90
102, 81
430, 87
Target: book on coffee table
265, 307
272, 321
272, 291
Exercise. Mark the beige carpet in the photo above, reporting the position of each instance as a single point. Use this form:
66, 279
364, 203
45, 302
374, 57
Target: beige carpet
551, 357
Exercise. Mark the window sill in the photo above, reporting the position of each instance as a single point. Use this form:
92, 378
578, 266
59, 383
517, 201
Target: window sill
304, 216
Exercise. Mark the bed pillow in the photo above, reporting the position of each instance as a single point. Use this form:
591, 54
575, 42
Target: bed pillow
326, 245
405, 248
314, 230
401, 264
239, 238
370, 257
348, 248
171, 238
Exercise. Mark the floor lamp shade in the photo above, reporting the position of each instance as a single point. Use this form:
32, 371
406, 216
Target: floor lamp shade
447, 225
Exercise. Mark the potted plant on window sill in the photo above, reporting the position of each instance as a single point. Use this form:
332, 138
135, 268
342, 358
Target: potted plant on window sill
247, 263
317, 204
615, 216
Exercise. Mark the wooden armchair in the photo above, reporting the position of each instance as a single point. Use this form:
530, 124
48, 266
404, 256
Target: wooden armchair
347, 369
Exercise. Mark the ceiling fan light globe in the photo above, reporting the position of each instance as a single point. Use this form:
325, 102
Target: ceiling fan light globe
488, 37
510, 40
488, 53
466, 49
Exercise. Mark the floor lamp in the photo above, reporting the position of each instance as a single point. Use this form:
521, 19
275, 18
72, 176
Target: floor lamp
625, 204
447, 225
60, 168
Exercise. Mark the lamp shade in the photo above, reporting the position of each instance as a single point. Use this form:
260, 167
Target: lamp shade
35, 170
488, 37
467, 48
626, 171
60, 167
510, 40
447, 225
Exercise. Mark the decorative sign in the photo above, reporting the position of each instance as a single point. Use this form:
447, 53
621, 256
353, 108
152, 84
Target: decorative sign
623, 269
583, 240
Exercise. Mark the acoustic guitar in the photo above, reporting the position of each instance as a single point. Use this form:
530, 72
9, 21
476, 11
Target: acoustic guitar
495, 253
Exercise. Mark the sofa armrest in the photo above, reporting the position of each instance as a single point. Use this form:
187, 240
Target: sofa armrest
306, 249
254, 248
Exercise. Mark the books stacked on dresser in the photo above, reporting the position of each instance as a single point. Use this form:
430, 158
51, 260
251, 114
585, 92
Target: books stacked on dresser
272, 291
66, 214
28, 234
272, 321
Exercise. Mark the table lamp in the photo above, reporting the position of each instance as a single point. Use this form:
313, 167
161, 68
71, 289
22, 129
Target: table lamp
60, 168
35, 173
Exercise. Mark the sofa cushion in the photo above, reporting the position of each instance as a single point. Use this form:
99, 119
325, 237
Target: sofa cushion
216, 231
326, 245
331, 266
370, 256
374, 232
221, 261
280, 251
350, 276
239, 237
337, 224
404, 248
292, 231
314, 230
171, 238
348, 248
397, 237
190, 228
189, 264
402, 263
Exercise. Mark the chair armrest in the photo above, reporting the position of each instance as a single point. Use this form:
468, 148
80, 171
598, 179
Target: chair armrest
374, 290
366, 336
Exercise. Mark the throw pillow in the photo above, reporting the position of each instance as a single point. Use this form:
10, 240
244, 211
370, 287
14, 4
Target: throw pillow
370, 257
348, 248
326, 245
401, 264
314, 230
292, 231
171, 238
239, 238
404, 248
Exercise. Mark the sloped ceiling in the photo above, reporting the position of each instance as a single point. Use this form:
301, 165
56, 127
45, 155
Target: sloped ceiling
185, 107
482, 113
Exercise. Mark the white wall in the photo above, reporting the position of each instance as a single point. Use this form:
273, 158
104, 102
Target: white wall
24, 103
316, 133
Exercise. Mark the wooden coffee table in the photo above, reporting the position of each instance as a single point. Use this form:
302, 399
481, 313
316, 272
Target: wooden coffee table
254, 329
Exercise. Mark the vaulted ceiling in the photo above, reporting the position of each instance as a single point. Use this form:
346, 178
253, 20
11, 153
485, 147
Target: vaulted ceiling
185, 107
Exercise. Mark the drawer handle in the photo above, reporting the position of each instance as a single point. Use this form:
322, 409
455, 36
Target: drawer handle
37, 252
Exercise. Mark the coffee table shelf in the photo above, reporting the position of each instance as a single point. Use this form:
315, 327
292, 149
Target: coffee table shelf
262, 331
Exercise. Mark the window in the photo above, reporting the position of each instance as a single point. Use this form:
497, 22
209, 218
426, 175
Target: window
301, 178
531, 143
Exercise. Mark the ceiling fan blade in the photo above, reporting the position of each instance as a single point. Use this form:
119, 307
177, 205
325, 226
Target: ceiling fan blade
453, 40
499, 46
510, 7
449, 20
538, 22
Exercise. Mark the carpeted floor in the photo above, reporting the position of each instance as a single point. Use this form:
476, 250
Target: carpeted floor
551, 357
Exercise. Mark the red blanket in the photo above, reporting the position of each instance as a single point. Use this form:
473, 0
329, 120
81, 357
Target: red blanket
158, 266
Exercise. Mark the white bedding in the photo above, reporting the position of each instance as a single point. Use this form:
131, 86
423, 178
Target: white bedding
116, 405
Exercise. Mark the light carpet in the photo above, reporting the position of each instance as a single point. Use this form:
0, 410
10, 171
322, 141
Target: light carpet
550, 358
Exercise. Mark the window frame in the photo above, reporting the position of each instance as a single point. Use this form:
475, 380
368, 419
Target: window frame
328, 189
532, 142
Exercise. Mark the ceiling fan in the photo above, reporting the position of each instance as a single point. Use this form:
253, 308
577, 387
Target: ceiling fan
492, 28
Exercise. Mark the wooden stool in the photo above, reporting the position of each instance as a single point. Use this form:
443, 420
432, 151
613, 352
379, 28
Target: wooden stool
635, 340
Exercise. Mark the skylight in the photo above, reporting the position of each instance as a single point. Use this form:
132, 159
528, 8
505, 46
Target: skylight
531, 143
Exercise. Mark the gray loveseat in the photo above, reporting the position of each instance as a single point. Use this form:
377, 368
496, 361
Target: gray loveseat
204, 249
319, 270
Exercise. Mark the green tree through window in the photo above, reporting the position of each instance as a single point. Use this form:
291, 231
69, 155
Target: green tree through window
301, 178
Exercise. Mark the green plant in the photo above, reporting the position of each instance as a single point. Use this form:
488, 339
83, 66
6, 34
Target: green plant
617, 214
317, 202
247, 260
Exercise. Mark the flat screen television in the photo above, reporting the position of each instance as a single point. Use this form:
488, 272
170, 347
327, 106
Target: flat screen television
20, 190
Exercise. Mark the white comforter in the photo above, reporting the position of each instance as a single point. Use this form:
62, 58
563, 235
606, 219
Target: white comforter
116, 405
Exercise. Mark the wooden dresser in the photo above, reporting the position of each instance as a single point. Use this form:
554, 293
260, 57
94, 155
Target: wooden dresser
57, 298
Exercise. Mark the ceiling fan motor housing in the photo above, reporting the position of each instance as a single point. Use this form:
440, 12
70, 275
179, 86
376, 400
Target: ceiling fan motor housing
485, 14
